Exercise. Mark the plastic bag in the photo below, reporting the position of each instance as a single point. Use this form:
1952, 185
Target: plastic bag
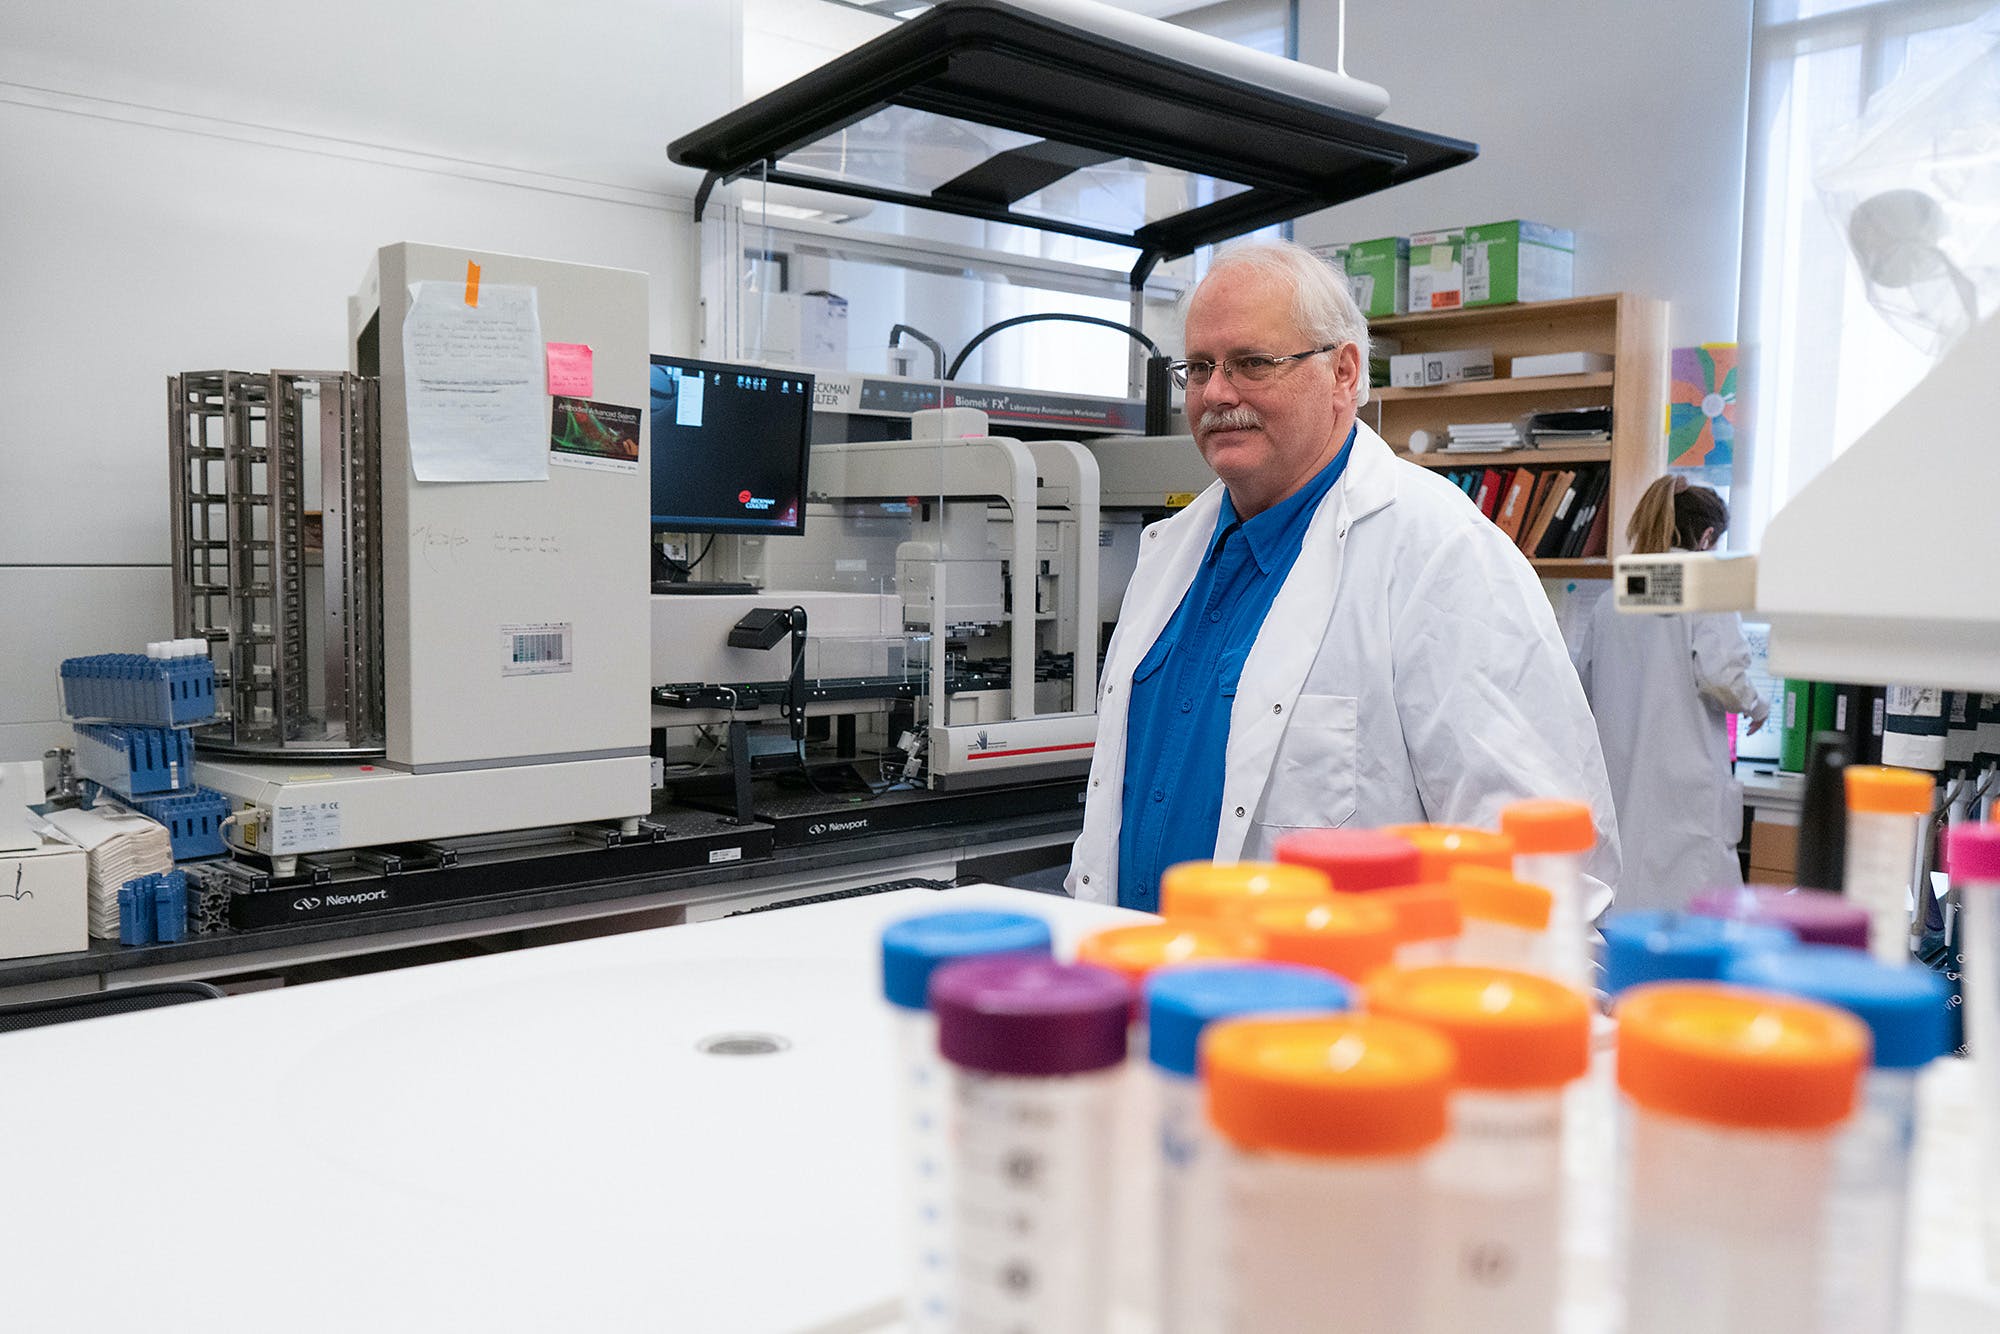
1914, 185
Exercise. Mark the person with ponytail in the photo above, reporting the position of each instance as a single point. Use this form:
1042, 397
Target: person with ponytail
1661, 686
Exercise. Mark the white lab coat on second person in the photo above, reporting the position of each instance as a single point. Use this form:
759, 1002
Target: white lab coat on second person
1410, 670
1661, 685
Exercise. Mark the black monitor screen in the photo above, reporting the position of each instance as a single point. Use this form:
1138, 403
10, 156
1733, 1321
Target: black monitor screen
729, 447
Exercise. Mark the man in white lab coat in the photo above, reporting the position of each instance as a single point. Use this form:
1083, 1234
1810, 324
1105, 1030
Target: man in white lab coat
1328, 636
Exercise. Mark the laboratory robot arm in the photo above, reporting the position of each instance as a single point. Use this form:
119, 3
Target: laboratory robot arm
1722, 666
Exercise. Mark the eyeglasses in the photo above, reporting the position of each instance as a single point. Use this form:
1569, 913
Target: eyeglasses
1250, 368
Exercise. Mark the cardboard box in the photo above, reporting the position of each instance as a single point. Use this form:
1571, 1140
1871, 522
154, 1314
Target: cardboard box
1378, 274
1774, 852
1420, 370
1437, 272
1511, 261
44, 900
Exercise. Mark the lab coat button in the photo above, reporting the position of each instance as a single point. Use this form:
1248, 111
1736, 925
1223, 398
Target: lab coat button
1277, 708
1086, 879
1239, 812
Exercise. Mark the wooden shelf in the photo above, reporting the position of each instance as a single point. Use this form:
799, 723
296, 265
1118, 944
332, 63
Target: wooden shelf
1510, 458
1583, 567
1527, 384
1568, 309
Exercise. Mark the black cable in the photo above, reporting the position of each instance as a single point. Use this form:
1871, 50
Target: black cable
937, 348
1151, 347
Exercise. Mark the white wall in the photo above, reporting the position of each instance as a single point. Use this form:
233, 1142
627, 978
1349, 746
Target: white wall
200, 185
1622, 121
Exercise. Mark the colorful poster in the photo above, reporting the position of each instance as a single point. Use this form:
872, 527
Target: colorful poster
584, 434
1701, 411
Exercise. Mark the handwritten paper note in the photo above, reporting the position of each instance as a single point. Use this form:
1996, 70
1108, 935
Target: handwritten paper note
476, 395
569, 369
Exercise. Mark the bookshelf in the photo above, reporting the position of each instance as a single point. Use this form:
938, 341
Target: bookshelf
1632, 329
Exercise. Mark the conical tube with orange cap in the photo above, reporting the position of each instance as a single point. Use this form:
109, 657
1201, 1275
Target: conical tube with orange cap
1324, 1126
1507, 920
1551, 840
1734, 1099
1886, 810
1493, 1189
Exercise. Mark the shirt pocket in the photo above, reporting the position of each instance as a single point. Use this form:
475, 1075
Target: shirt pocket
1313, 778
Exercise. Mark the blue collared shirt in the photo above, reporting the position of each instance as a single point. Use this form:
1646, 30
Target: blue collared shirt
1178, 713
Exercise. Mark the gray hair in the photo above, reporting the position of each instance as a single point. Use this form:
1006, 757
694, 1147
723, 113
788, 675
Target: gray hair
1322, 306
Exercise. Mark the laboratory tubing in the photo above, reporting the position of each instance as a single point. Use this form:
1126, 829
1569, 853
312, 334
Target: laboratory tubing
1506, 920
1733, 1099
1642, 947
1350, 935
1181, 1002
1886, 814
1036, 1049
1815, 916
1134, 952
1355, 860
1973, 859
1908, 1014
912, 949
1323, 1129
1551, 840
1443, 846
1428, 922
1492, 1260
1205, 891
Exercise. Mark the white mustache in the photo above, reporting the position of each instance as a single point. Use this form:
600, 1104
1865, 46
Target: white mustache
1228, 419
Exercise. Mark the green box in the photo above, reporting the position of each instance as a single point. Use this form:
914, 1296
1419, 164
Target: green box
1378, 273
1437, 273
1513, 261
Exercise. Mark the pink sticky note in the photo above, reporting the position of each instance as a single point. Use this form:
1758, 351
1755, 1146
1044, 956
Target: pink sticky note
569, 369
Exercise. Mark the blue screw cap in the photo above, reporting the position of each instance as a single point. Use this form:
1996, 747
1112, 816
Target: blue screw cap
915, 947
1905, 1006
1181, 1001
1681, 947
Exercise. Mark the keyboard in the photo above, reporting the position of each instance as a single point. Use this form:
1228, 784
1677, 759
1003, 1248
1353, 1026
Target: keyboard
711, 589
882, 887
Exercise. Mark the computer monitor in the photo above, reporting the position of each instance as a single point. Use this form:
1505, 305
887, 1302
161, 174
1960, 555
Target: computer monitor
730, 446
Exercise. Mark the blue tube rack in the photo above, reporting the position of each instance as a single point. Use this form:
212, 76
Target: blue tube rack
133, 688
193, 820
135, 761
152, 909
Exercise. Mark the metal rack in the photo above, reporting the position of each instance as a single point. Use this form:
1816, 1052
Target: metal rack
238, 446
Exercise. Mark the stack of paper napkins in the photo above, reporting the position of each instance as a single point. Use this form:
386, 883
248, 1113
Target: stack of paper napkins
122, 845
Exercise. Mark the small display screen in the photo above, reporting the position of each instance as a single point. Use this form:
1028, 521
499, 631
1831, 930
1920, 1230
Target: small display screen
730, 447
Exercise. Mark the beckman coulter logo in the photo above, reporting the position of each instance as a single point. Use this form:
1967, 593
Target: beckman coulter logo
750, 502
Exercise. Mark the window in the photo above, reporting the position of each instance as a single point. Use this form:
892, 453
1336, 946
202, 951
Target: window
1824, 366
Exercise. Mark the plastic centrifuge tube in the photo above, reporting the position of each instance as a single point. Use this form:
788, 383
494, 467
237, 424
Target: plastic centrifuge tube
1349, 935
1494, 1187
1973, 858
1641, 947
1907, 1011
912, 950
1428, 922
1355, 860
1134, 952
1885, 813
1815, 916
1734, 1098
1551, 839
1180, 1003
1036, 1050
1323, 1127
1208, 891
1507, 921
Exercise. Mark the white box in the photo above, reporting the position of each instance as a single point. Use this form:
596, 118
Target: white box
1561, 363
1420, 370
44, 901
800, 329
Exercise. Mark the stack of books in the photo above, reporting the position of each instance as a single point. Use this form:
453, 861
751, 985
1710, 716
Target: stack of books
1574, 426
1482, 437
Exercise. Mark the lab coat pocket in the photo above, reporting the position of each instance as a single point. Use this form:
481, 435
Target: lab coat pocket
1312, 783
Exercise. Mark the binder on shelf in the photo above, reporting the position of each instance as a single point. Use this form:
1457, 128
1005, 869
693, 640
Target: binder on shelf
1795, 722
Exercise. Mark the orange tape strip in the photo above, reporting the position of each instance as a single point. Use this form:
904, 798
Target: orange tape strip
471, 283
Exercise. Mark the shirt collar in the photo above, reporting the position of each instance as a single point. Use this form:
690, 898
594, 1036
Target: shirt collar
1270, 534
